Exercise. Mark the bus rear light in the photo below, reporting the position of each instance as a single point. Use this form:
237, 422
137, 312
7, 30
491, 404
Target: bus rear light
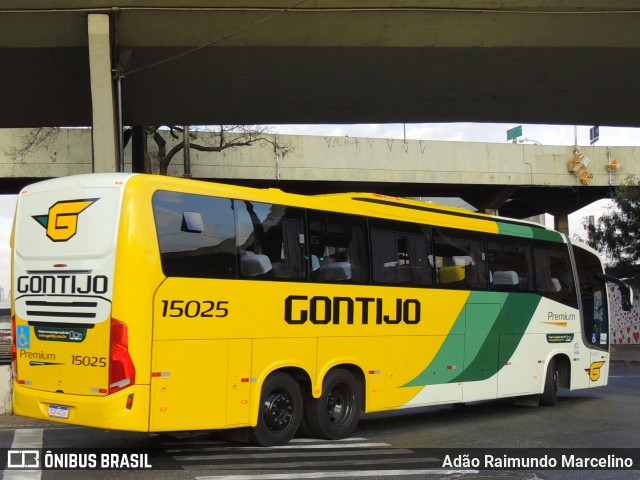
122, 372
14, 349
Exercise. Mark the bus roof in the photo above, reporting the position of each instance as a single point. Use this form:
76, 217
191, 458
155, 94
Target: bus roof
359, 203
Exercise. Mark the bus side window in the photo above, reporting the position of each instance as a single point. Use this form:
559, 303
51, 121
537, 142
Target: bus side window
338, 248
271, 241
510, 265
460, 259
554, 275
400, 254
195, 235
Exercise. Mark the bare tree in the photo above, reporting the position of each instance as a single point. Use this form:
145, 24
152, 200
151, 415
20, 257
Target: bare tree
204, 139
33, 140
212, 139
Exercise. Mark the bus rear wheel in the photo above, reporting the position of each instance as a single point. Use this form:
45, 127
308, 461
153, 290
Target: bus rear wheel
280, 411
336, 413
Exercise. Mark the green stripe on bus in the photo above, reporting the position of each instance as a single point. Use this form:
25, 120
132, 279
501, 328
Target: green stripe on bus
497, 322
515, 230
526, 231
443, 368
501, 341
549, 235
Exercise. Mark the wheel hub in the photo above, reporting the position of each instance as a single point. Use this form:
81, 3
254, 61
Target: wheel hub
277, 411
338, 406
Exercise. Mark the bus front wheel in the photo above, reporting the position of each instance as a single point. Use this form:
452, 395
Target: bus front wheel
280, 411
549, 395
336, 413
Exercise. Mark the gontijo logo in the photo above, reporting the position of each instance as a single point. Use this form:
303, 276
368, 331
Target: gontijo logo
594, 371
62, 220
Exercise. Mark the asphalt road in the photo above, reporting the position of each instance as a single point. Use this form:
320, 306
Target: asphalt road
397, 445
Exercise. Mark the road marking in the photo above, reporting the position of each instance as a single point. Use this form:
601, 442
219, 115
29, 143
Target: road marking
310, 458
267, 454
348, 474
25, 439
320, 463
236, 446
316, 446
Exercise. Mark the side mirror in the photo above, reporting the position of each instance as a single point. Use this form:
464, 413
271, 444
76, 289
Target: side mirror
625, 290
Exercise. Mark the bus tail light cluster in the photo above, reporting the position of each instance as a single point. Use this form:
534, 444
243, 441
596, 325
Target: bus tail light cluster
122, 372
14, 349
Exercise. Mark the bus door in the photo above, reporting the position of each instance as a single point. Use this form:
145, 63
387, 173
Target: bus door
595, 316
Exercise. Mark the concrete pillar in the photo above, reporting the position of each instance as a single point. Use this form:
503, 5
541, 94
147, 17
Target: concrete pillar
561, 221
104, 137
138, 151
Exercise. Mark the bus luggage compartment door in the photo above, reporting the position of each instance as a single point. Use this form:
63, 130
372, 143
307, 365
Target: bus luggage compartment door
189, 385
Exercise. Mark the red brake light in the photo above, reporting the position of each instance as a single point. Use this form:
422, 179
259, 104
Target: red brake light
122, 372
14, 349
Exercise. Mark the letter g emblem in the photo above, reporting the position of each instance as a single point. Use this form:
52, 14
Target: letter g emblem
62, 221
594, 371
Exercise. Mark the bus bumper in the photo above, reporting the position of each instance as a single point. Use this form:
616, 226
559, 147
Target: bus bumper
127, 409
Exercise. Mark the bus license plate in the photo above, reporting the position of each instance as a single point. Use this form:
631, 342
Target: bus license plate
58, 411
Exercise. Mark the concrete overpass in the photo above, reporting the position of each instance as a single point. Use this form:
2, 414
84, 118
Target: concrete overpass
314, 61
515, 179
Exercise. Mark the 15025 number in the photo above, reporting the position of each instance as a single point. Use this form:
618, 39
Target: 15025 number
87, 361
194, 308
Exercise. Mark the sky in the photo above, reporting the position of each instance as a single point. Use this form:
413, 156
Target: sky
461, 132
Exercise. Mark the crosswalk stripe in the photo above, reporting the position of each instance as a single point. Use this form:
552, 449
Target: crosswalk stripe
320, 463
311, 458
293, 454
305, 446
25, 439
345, 474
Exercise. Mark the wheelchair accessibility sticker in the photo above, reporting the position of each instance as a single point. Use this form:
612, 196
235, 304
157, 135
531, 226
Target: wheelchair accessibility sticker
23, 337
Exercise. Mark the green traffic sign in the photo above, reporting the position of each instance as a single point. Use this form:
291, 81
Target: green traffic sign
514, 132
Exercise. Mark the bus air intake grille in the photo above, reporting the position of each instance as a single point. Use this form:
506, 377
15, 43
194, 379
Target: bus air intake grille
42, 308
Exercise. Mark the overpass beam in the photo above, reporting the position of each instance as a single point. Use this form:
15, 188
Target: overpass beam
491, 204
104, 139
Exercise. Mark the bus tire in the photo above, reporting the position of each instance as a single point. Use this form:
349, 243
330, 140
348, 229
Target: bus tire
549, 395
280, 411
303, 429
336, 413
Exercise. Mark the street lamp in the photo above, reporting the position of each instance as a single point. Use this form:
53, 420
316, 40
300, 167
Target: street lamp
522, 140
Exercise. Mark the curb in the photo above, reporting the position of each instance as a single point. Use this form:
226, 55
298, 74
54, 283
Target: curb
625, 363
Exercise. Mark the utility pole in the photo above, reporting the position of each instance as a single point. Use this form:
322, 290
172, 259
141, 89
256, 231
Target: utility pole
186, 151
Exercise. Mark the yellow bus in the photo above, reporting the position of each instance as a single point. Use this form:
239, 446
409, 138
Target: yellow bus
156, 304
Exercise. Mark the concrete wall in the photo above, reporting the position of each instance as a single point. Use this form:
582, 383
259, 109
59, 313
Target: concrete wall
625, 326
413, 161
342, 159
69, 153
6, 387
